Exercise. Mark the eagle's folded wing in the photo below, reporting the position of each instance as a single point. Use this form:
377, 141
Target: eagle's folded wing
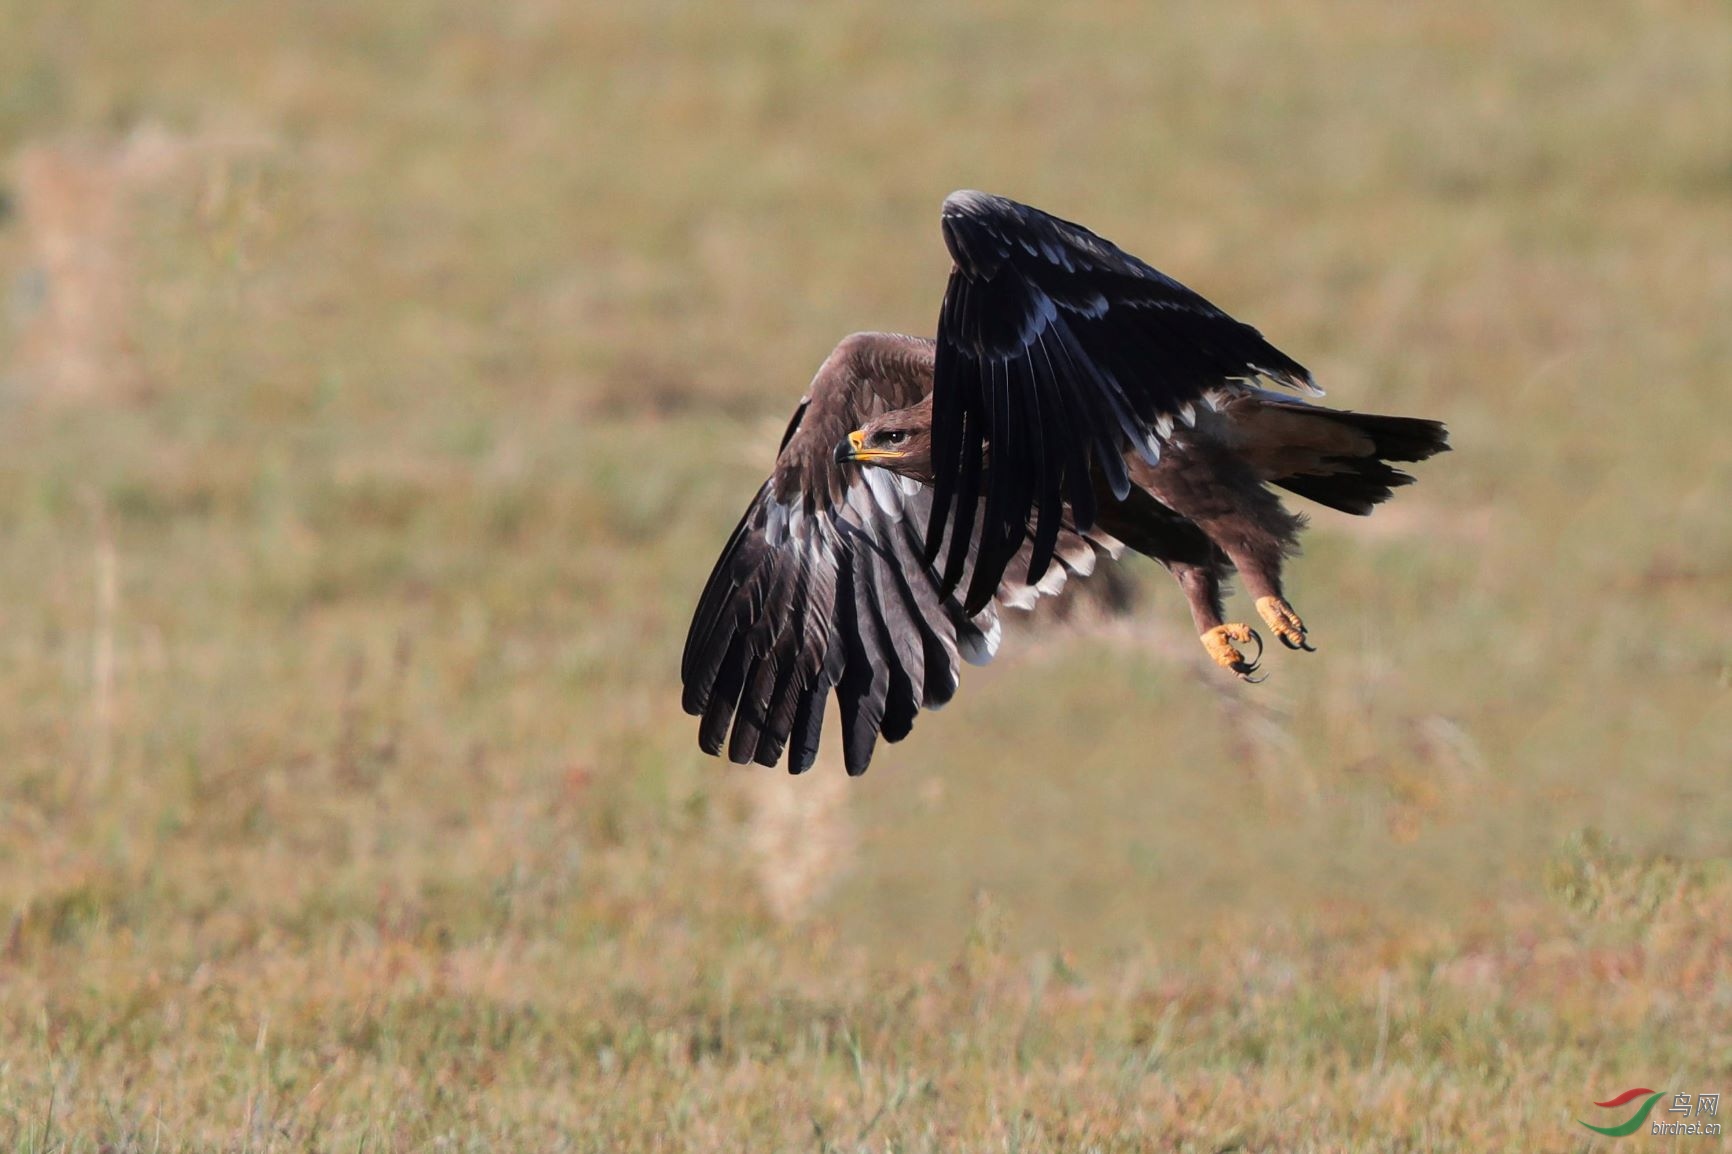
1057, 351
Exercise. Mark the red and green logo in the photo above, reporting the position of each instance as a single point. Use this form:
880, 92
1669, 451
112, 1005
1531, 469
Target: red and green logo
1636, 1119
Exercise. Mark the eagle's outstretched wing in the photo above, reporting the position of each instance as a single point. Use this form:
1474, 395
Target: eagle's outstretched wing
823, 585
1058, 350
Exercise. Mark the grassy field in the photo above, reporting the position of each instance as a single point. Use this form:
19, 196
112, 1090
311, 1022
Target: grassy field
378, 382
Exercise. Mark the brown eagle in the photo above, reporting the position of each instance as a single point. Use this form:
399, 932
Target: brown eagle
1076, 402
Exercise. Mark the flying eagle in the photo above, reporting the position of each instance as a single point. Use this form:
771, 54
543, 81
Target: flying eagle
1076, 402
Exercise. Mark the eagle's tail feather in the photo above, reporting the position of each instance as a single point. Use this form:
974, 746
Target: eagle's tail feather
1357, 482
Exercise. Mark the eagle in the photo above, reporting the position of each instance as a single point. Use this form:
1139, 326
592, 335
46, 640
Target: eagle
1075, 403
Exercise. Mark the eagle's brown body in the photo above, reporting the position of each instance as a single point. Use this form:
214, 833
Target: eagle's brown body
1204, 509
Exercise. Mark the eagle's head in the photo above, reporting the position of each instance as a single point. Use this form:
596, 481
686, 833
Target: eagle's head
900, 441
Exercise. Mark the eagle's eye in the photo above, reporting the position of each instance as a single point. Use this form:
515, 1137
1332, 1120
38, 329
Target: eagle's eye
893, 436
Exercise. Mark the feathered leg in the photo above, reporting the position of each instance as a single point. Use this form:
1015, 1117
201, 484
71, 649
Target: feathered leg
1257, 540
1208, 484
1152, 527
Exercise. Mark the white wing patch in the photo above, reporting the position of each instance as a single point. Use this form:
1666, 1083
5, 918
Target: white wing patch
1076, 556
980, 648
788, 525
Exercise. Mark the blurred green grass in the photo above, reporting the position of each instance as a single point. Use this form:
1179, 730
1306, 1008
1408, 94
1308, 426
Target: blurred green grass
435, 351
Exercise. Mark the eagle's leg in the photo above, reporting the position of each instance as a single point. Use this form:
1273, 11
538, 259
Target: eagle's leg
1261, 569
1257, 535
1208, 484
1202, 586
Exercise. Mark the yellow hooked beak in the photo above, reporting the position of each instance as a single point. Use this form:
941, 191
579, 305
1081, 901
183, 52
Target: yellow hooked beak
853, 448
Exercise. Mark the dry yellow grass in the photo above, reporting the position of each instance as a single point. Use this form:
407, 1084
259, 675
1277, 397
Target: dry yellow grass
346, 801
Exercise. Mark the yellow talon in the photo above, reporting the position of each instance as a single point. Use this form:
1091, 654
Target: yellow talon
1283, 622
1219, 644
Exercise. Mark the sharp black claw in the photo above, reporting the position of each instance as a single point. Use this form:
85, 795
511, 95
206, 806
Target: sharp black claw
1244, 668
1307, 646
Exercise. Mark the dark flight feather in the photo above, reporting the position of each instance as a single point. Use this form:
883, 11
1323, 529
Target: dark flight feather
1137, 345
